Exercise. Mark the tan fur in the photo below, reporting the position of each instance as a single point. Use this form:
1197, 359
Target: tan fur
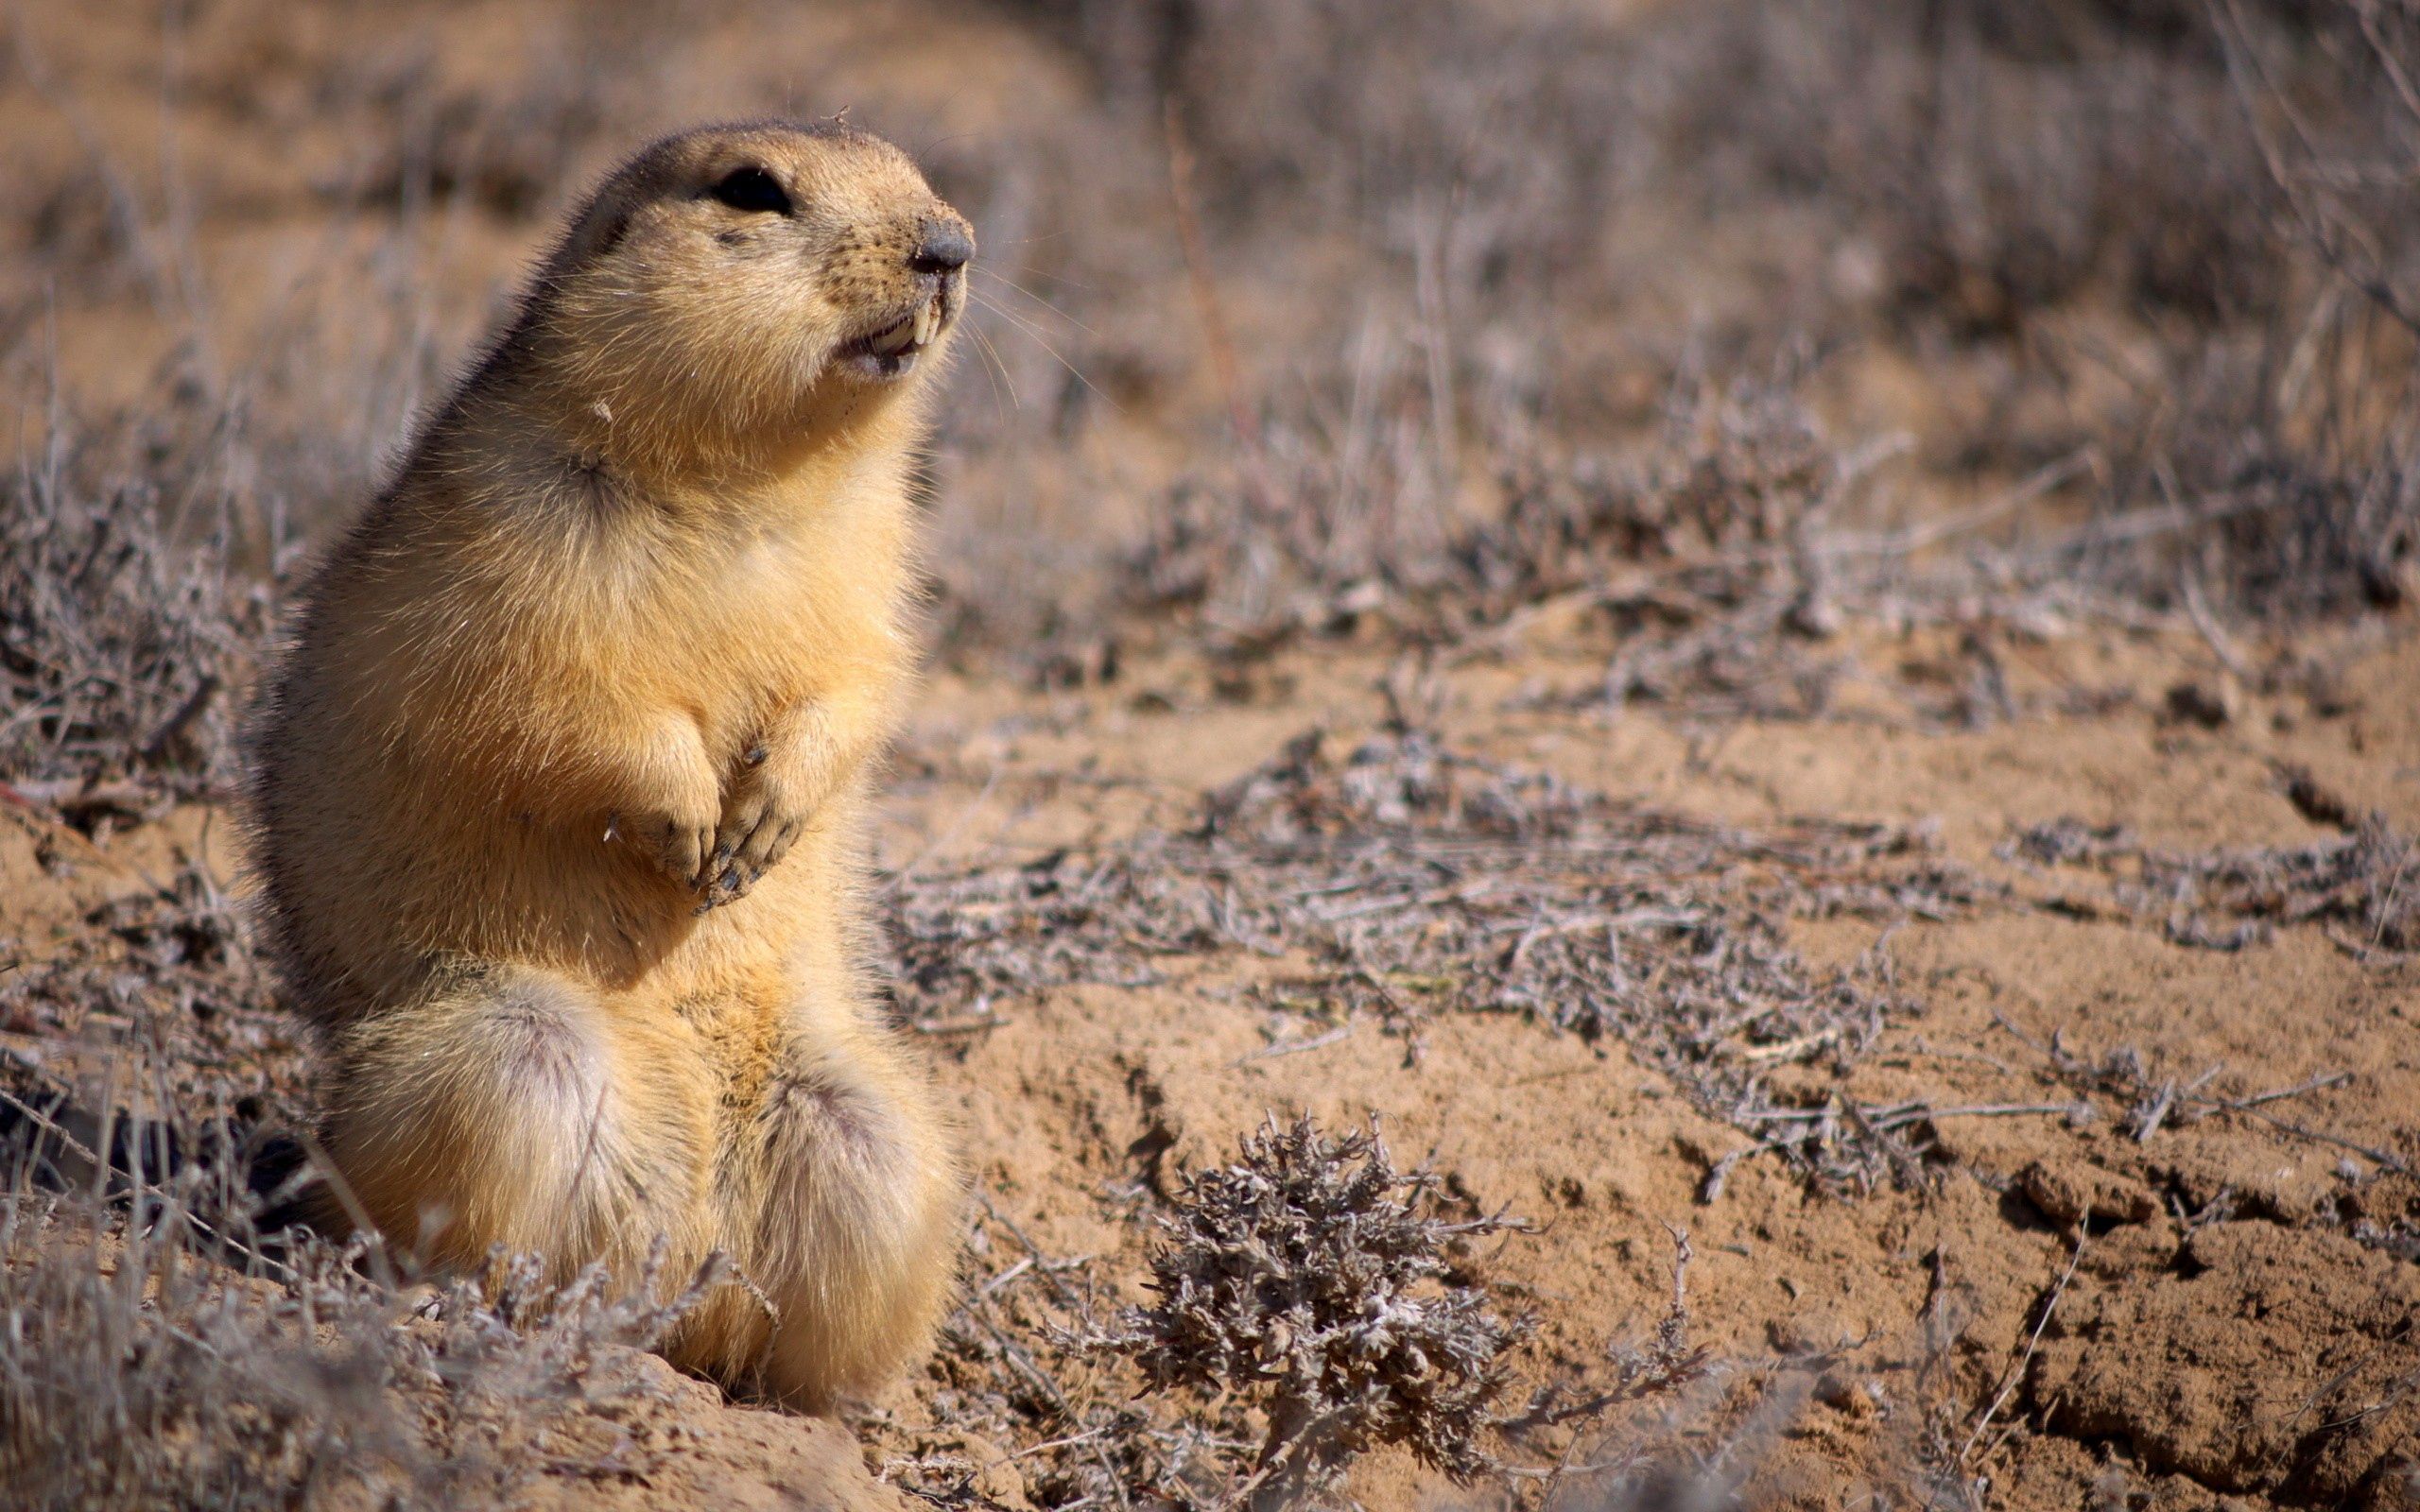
628, 629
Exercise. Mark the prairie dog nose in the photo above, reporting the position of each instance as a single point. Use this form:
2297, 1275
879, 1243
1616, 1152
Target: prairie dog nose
942, 246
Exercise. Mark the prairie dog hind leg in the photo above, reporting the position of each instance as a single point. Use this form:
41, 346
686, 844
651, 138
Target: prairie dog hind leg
496, 1109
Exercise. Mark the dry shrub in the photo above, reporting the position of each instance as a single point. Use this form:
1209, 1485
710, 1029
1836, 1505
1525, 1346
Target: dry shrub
2228, 184
1020, 1362
511, 153
1704, 552
1262, 1253
1709, 555
1740, 478
128, 620
1314, 1302
2000, 159
2272, 461
2278, 477
1427, 207
2291, 445
1502, 122
1315, 1279
2229, 181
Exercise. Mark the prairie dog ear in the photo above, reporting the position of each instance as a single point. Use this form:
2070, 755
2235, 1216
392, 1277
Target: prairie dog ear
601, 228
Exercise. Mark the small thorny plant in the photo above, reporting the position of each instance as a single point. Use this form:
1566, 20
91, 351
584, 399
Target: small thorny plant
1313, 1276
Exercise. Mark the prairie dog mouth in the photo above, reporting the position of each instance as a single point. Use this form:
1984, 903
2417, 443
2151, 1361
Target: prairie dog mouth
891, 350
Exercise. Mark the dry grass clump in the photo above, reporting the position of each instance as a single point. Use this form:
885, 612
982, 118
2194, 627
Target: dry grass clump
1414, 880
205, 1391
127, 621
1314, 1277
1711, 555
166, 1341
2361, 888
161, 1352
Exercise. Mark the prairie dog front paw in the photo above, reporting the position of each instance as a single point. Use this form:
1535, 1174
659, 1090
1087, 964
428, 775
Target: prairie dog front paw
678, 843
671, 807
762, 817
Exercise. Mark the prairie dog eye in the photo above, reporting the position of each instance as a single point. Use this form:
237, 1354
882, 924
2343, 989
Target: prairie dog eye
752, 189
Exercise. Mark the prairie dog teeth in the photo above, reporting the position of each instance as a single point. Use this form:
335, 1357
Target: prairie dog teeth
908, 333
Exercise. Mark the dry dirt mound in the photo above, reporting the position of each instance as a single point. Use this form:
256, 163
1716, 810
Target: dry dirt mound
2265, 1360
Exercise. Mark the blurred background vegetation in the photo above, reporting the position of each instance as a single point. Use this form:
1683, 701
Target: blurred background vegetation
1287, 308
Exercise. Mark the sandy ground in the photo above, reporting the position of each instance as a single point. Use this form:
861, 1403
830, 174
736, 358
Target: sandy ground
2221, 1334
2214, 1311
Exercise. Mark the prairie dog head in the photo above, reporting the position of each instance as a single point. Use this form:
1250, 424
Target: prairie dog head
737, 285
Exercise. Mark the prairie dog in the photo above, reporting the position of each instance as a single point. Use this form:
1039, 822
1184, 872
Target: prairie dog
560, 784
